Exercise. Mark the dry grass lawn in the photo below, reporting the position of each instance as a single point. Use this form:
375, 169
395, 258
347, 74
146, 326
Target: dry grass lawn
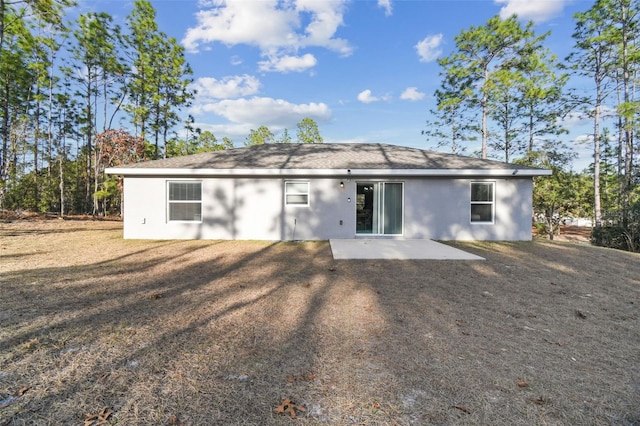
95, 329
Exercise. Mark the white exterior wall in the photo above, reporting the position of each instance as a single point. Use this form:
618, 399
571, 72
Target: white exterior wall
239, 208
441, 209
253, 208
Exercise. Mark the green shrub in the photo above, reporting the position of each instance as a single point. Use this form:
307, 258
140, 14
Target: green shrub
614, 235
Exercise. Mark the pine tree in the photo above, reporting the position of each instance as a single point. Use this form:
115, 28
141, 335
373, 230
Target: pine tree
94, 57
308, 131
453, 122
259, 137
480, 52
592, 57
159, 86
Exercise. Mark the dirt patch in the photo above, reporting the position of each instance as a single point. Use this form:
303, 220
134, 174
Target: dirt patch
575, 233
96, 328
578, 234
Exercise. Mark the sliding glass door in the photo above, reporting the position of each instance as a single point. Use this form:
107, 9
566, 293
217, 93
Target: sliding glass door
379, 208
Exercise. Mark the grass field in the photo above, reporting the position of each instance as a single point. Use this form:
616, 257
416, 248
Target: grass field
95, 329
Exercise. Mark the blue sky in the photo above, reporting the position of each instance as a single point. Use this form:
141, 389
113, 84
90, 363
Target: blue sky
364, 70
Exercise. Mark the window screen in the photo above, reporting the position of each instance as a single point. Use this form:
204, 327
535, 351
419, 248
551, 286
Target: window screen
482, 202
296, 193
185, 201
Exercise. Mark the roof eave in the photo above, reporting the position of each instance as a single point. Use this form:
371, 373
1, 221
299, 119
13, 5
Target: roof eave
132, 171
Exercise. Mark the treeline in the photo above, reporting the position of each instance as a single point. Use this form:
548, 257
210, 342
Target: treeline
501, 86
65, 87
67, 90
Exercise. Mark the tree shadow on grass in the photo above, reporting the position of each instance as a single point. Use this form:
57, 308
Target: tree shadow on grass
467, 333
146, 316
222, 332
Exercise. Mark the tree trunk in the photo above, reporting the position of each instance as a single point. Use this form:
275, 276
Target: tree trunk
36, 149
61, 154
5, 143
121, 187
89, 202
628, 139
485, 112
2, 13
597, 202
531, 113
96, 173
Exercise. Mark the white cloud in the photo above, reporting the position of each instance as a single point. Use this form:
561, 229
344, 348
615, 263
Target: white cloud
227, 87
573, 119
608, 112
386, 5
581, 118
273, 113
412, 94
289, 63
429, 48
326, 16
366, 97
237, 132
535, 10
584, 139
234, 22
278, 28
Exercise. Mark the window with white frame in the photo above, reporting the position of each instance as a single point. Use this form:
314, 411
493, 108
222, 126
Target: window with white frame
296, 193
184, 201
482, 202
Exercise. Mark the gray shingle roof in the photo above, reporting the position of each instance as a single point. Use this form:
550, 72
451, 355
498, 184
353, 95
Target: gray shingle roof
325, 156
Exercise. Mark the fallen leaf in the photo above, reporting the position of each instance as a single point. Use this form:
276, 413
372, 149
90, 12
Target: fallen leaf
31, 345
22, 391
461, 408
289, 407
538, 401
376, 405
106, 413
156, 296
291, 379
102, 418
309, 377
523, 384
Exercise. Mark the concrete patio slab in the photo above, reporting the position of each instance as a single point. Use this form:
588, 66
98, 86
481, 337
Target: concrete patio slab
396, 249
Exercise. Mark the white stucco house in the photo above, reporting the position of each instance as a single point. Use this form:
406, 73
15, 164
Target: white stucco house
324, 191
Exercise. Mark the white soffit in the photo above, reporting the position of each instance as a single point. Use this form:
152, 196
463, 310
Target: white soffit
345, 173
